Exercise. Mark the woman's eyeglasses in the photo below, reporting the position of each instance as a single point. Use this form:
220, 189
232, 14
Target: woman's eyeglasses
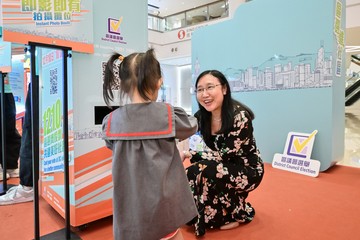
209, 88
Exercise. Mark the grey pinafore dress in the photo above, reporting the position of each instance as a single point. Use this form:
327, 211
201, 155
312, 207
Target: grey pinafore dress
151, 197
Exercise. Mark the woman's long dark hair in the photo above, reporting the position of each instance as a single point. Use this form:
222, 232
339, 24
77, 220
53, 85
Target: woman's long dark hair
229, 108
137, 70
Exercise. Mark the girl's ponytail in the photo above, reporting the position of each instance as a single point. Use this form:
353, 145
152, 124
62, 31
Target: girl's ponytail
110, 78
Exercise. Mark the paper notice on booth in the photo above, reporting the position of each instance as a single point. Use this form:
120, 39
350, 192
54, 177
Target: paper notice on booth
297, 153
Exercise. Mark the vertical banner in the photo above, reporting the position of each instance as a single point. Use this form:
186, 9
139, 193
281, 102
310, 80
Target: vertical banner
16, 77
52, 75
5, 49
65, 23
340, 37
5, 56
52, 156
1, 21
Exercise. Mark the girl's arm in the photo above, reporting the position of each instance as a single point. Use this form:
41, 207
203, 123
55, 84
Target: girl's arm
108, 142
185, 125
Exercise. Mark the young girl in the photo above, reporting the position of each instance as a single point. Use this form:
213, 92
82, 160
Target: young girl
152, 197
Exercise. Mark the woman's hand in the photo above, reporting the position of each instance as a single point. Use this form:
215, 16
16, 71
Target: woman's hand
184, 155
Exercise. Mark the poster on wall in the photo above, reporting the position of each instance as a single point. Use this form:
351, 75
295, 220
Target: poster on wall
65, 23
285, 69
297, 55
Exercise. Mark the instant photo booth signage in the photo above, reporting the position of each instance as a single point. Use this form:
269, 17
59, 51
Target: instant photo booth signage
297, 153
90, 179
72, 24
64, 23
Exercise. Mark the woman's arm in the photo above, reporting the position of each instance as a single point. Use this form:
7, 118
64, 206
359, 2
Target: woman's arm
238, 141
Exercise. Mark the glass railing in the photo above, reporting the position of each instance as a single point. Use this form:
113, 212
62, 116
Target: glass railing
190, 17
156, 23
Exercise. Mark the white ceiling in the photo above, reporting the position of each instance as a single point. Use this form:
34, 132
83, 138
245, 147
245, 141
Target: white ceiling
163, 8
351, 2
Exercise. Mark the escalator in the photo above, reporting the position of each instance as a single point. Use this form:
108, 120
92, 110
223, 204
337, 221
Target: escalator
352, 90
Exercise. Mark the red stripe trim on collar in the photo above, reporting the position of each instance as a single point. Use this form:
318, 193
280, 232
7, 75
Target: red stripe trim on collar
142, 134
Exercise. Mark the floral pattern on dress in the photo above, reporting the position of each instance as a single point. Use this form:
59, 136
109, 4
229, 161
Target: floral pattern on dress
221, 180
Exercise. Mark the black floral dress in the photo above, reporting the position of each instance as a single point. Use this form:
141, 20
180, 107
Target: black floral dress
221, 179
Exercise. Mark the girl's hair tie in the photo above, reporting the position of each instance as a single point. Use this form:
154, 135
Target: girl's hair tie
121, 58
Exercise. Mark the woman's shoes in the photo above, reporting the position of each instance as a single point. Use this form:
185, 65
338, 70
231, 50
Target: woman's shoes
229, 226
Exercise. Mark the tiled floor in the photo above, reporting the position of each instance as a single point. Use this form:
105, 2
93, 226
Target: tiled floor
352, 136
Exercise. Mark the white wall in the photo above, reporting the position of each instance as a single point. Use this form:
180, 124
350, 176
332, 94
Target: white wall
233, 5
173, 44
177, 81
169, 77
173, 49
352, 13
352, 33
184, 82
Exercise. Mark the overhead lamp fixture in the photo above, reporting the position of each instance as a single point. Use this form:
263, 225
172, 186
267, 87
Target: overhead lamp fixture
153, 6
154, 10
